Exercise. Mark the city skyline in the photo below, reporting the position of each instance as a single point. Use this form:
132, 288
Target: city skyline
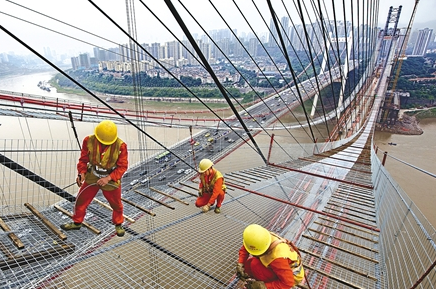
99, 25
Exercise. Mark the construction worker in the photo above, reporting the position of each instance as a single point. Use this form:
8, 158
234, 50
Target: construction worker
274, 262
102, 163
211, 187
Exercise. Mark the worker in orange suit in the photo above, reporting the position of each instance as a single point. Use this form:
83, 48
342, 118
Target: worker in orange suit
102, 163
275, 263
211, 188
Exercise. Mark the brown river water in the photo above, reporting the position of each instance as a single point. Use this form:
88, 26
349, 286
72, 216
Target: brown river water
419, 151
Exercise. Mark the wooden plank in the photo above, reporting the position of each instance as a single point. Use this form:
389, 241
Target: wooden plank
109, 208
139, 207
17, 242
182, 190
86, 224
169, 196
46, 222
189, 186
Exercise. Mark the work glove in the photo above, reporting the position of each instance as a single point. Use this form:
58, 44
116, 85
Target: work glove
200, 193
251, 284
240, 272
80, 179
205, 208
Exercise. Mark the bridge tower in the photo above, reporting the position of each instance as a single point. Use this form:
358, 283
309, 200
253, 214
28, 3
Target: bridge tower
390, 108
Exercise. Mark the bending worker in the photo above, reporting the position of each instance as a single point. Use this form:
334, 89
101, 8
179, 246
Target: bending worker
211, 187
275, 262
102, 163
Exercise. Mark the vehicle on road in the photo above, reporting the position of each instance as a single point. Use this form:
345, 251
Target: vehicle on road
134, 182
165, 156
144, 181
210, 139
207, 135
161, 178
180, 171
197, 143
188, 171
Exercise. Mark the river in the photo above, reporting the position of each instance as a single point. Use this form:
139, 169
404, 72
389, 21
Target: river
416, 150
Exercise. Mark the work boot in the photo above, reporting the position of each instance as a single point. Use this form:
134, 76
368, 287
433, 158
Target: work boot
217, 210
71, 226
120, 230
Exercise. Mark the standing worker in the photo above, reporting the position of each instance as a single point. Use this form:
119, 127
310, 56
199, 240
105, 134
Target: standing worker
211, 187
275, 261
102, 163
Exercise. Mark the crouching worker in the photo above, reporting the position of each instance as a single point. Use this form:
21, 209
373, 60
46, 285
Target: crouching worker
274, 262
102, 163
211, 188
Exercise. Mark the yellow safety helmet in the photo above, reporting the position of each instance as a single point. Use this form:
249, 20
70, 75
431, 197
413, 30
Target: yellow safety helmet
256, 239
204, 165
106, 132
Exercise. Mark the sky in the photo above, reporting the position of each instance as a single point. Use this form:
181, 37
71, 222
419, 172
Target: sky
84, 15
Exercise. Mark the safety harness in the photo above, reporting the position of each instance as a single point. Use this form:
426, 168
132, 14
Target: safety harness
296, 265
208, 187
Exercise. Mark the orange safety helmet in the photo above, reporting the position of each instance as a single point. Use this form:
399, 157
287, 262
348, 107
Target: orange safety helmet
106, 132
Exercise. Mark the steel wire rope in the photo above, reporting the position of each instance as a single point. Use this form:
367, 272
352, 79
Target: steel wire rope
187, 10
310, 55
169, 72
226, 58
346, 40
328, 56
337, 49
260, 42
87, 90
70, 25
298, 57
310, 52
136, 77
307, 54
295, 81
209, 69
324, 33
271, 58
37, 164
291, 69
68, 36
131, 14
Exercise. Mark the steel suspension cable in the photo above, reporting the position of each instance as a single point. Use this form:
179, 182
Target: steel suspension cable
168, 71
87, 90
273, 63
209, 69
311, 57
280, 47
235, 67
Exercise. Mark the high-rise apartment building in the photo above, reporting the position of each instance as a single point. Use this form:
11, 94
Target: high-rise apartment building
424, 36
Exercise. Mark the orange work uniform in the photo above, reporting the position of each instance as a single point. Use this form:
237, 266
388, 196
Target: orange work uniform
213, 189
97, 161
279, 267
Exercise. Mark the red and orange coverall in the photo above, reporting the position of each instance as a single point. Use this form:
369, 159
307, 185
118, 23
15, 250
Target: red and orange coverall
112, 158
274, 267
213, 189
